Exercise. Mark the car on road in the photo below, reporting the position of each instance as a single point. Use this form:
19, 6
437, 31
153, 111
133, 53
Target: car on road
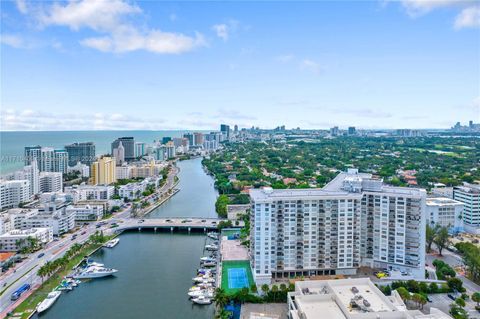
169, 221
41, 255
83, 233
214, 223
204, 220
451, 297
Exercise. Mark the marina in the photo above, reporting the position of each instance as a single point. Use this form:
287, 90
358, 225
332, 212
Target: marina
169, 262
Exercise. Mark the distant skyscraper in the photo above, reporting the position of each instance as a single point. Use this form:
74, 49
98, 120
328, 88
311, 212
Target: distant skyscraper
334, 131
119, 154
30, 173
103, 171
166, 139
80, 152
140, 149
48, 158
225, 129
129, 145
190, 138
198, 138
235, 128
351, 130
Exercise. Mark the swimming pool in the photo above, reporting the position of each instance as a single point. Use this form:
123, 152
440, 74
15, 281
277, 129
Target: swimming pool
237, 278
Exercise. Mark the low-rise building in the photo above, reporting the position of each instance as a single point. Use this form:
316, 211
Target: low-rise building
16, 239
124, 172
90, 192
445, 212
86, 212
353, 298
83, 169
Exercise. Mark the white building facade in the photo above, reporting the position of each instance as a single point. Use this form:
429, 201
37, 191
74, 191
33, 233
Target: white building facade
469, 195
15, 240
353, 221
445, 212
51, 182
12, 193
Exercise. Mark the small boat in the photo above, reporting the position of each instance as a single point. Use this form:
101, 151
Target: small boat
207, 258
49, 301
209, 264
195, 288
198, 293
204, 279
212, 235
111, 243
211, 247
202, 300
205, 285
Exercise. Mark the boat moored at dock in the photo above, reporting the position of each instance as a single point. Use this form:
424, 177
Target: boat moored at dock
111, 243
49, 301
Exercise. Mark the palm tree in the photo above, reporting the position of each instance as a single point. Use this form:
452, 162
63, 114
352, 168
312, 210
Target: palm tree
283, 287
253, 288
274, 292
220, 298
223, 314
265, 289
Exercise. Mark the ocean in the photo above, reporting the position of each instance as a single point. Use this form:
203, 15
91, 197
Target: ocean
12, 143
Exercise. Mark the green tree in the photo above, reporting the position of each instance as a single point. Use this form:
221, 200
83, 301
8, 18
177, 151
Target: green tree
441, 239
476, 298
460, 302
458, 312
274, 291
431, 232
403, 292
419, 299
253, 288
455, 284
220, 298
265, 289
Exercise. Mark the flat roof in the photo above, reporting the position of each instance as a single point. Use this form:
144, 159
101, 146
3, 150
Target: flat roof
320, 308
442, 201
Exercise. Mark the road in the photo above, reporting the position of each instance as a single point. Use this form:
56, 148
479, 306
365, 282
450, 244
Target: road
26, 271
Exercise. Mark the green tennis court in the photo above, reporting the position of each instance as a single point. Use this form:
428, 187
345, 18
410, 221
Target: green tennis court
236, 274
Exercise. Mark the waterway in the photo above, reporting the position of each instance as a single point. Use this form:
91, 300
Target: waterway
155, 269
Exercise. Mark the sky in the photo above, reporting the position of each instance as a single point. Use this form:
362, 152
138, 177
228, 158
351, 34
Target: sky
159, 65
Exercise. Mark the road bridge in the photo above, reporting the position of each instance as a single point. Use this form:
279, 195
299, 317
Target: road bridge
170, 224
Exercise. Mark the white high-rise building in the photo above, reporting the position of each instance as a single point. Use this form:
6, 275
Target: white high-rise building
353, 221
32, 174
48, 158
51, 182
469, 195
13, 193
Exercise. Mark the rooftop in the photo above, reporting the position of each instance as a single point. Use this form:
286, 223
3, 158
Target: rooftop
442, 201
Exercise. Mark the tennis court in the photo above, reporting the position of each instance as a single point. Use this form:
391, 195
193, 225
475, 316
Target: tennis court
237, 278
236, 274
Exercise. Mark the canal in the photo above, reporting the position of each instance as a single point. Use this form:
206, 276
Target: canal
155, 269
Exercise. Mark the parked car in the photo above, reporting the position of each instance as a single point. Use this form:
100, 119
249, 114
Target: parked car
451, 297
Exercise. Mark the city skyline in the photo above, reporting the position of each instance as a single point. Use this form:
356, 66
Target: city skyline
132, 65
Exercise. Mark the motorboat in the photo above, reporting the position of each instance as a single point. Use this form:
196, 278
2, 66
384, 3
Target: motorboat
209, 264
49, 301
211, 247
111, 243
95, 272
202, 300
204, 292
213, 235
207, 258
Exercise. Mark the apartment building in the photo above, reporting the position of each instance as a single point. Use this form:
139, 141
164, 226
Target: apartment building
354, 220
89, 192
51, 182
469, 195
15, 240
103, 171
445, 212
13, 193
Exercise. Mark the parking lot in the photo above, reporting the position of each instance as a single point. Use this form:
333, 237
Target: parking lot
442, 302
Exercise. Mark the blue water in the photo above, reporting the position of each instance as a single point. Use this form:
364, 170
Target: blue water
12, 143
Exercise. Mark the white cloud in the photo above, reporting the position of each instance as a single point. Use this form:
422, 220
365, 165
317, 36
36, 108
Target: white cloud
21, 6
468, 18
110, 19
310, 65
31, 120
224, 30
93, 14
221, 30
14, 41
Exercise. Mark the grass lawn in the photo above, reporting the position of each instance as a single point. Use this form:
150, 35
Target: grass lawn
229, 264
29, 304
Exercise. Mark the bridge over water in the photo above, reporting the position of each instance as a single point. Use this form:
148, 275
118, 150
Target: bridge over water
170, 224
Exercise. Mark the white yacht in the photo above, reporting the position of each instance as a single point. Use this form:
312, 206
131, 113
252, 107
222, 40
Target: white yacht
209, 264
212, 235
49, 301
211, 247
202, 300
206, 258
111, 243
198, 293
95, 272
